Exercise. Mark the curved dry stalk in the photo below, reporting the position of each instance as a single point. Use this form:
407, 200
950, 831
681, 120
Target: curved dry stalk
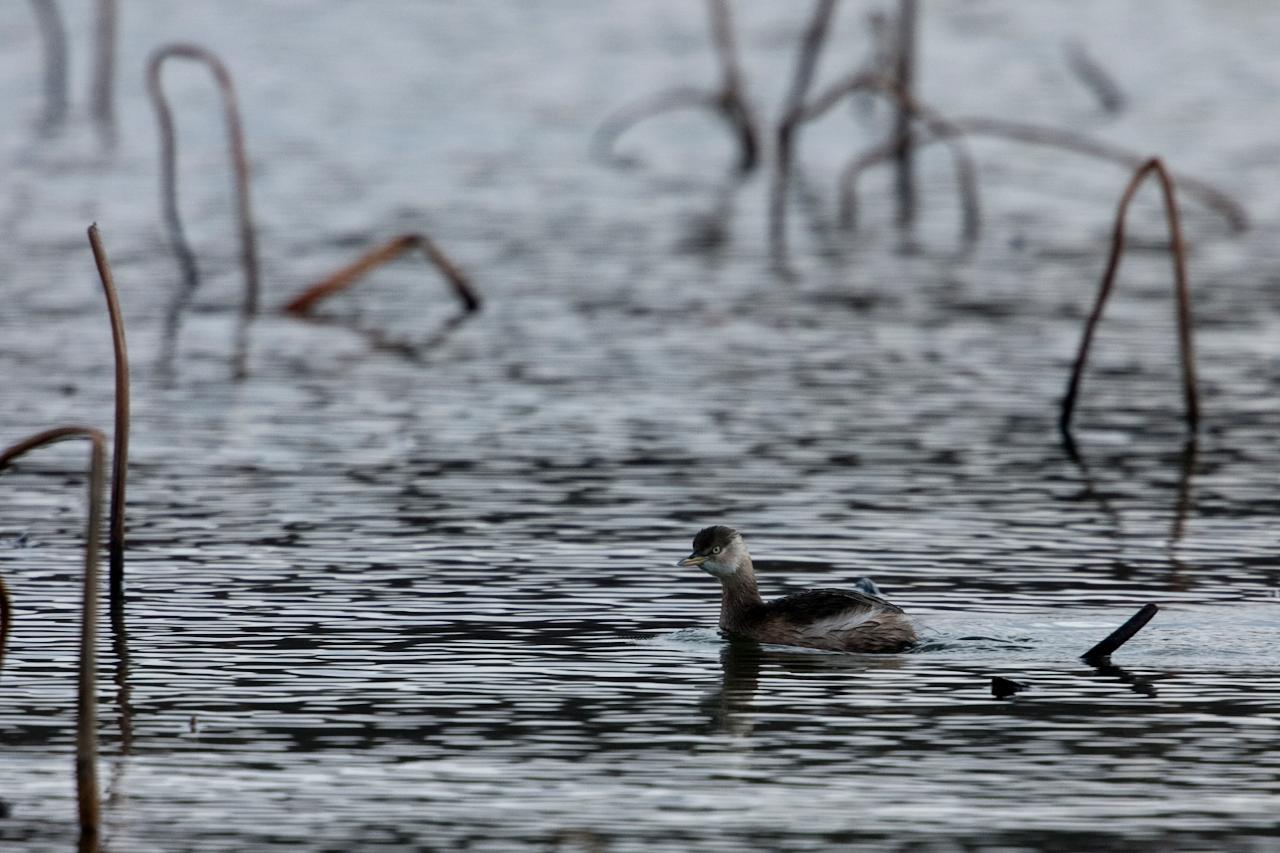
387, 252
1151, 167
1207, 194
240, 167
729, 101
86, 704
811, 44
104, 70
54, 36
120, 454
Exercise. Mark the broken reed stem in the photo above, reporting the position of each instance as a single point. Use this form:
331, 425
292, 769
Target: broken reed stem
730, 101
1181, 293
54, 37
240, 168
793, 115
104, 70
86, 704
1208, 195
384, 254
120, 435
1117, 638
904, 67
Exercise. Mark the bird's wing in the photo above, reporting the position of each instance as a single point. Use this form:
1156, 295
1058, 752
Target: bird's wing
824, 604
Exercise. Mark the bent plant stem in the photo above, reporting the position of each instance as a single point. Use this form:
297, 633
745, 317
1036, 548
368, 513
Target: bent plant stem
904, 68
86, 705
793, 115
303, 303
1208, 195
120, 454
1101, 652
729, 101
169, 191
1181, 293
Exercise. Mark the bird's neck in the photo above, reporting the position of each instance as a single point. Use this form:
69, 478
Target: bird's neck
738, 594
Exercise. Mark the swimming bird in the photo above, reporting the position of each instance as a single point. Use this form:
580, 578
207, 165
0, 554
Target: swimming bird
835, 619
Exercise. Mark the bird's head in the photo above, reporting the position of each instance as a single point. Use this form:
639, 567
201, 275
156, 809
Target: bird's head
718, 551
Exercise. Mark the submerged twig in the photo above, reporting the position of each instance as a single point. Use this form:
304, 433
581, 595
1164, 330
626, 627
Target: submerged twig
811, 44
86, 704
1120, 636
729, 101
1207, 194
387, 252
104, 71
169, 189
54, 36
1181, 294
120, 435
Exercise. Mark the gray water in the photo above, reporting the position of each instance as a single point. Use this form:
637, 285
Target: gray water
411, 584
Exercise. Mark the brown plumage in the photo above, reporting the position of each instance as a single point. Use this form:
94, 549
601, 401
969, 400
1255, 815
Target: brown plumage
834, 619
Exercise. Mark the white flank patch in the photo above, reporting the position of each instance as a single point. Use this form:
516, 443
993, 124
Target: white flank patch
850, 620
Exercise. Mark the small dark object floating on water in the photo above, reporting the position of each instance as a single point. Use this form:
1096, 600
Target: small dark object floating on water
833, 619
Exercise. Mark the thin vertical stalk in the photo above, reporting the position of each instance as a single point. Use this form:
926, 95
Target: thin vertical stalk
54, 36
904, 75
806, 64
104, 70
120, 454
86, 702
1181, 295
240, 169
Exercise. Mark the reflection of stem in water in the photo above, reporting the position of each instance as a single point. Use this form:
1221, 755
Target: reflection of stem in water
387, 252
120, 455
104, 71
54, 36
6, 620
169, 189
1187, 465
708, 232
86, 705
1137, 683
1181, 295
806, 63
120, 645
729, 101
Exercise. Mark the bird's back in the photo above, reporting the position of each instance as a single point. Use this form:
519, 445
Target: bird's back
835, 619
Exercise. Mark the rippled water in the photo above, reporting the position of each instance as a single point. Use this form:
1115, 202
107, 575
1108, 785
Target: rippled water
411, 585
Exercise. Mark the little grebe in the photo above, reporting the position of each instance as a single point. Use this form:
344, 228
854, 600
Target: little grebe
834, 619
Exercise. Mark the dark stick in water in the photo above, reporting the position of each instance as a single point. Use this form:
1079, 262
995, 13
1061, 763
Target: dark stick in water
387, 252
169, 187
729, 101
86, 705
54, 36
793, 114
904, 74
104, 71
1181, 294
120, 455
1121, 635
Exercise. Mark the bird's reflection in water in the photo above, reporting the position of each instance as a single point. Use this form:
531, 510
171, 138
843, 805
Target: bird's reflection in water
731, 707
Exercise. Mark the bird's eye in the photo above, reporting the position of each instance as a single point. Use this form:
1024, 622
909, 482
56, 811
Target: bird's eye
715, 550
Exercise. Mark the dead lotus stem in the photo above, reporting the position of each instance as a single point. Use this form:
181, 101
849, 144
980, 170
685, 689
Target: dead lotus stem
86, 705
793, 115
54, 36
384, 254
729, 101
104, 70
240, 167
120, 454
904, 79
1207, 194
1152, 167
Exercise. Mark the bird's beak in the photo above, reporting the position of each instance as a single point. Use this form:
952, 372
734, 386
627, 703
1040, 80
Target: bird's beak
693, 560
